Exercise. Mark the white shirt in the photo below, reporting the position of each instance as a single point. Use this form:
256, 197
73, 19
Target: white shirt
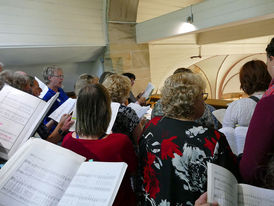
239, 112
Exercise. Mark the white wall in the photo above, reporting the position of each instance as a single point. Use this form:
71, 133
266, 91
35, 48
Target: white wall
67, 33
52, 22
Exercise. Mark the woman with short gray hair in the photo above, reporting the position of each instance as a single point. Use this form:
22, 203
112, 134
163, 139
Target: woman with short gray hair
53, 76
174, 150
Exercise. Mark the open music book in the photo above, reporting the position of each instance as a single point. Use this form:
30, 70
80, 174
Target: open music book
235, 137
223, 187
65, 108
20, 115
41, 173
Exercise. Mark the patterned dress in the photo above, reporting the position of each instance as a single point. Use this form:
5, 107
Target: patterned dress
173, 160
126, 121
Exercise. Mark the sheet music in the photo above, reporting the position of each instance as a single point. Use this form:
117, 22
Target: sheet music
32, 124
43, 86
114, 111
16, 109
229, 132
140, 110
252, 196
219, 114
96, 183
39, 176
65, 108
240, 136
222, 186
148, 90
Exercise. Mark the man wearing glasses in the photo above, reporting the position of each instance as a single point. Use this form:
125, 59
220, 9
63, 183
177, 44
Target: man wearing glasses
54, 77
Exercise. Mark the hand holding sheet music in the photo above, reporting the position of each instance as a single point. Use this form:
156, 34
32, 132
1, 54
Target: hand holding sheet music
65, 108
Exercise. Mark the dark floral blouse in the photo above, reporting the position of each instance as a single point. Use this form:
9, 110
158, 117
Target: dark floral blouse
173, 160
125, 122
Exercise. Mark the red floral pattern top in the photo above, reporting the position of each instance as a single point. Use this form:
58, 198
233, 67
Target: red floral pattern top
174, 156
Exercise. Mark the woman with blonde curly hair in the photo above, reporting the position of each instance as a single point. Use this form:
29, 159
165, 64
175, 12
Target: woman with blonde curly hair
127, 121
174, 150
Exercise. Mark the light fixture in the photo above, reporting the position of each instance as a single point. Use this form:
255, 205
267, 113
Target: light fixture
189, 19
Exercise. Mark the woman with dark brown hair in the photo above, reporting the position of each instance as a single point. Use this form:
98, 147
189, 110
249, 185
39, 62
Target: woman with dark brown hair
91, 141
254, 80
260, 135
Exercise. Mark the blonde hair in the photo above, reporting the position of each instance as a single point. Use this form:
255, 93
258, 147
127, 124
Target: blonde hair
118, 87
180, 93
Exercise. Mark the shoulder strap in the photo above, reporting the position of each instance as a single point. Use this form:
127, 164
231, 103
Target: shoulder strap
256, 99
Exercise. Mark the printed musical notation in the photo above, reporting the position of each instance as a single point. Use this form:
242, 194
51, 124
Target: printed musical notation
34, 184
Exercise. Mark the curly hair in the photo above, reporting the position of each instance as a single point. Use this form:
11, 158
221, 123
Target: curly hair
180, 93
270, 48
49, 72
118, 87
254, 77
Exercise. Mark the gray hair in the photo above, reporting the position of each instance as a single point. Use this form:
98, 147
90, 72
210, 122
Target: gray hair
49, 72
7, 76
20, 81
83, 80
31, 80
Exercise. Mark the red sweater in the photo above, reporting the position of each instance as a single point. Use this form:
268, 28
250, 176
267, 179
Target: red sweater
114, 148
259, 141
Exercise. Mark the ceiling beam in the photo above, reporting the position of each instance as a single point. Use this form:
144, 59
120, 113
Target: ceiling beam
245, 31
208, 15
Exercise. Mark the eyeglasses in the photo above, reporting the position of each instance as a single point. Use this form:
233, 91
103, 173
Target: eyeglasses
59, 76
205, 95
